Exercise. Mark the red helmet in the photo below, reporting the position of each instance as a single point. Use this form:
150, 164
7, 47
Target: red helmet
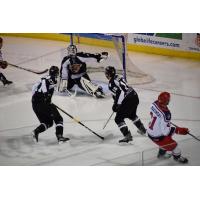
164, 98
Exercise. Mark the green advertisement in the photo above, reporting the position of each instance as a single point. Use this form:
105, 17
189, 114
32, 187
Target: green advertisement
177, 36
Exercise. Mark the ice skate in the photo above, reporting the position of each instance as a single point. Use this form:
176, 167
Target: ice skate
99, 93
141, 130
35, 136
62, 140
162, 154
128, 138
181, 159
6, 82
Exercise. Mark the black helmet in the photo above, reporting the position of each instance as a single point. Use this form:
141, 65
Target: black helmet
110, 71
54, 71
71, 50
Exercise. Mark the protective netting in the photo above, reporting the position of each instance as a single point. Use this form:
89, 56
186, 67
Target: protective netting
118, 57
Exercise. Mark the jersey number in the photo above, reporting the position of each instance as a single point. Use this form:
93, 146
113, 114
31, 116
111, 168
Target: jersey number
153, 120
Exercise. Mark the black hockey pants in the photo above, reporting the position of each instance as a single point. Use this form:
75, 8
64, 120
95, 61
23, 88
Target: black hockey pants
72, 82
47, 114
128, 108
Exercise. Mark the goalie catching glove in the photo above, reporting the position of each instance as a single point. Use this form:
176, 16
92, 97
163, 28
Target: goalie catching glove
102, 56
3, 64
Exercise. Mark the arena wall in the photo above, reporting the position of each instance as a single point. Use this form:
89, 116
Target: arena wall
185, 45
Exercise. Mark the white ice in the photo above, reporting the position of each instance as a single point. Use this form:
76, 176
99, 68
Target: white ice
179, 76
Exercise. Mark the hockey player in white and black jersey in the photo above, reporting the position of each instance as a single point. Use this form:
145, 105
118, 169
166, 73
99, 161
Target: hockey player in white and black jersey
160, 129
125, 104
45, 111
3, 65
74, 72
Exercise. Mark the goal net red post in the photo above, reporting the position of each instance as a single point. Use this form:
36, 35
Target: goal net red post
116, 46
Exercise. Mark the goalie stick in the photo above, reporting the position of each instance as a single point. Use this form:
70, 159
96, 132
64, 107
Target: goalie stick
76, 120
29, 70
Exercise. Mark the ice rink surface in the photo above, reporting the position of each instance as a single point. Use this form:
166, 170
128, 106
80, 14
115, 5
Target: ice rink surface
180, 77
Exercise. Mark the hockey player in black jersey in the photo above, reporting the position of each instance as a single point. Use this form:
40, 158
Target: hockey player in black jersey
74, 72
45, 111
125, 104
3, 65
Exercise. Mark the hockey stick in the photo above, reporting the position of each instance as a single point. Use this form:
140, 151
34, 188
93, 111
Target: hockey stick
29, 70
188, 133
76, 120
194, 136
108, 120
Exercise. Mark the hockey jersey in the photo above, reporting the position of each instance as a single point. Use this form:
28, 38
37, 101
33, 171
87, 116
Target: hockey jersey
119, 89
43, 90
68, 61
1, 58
159, 125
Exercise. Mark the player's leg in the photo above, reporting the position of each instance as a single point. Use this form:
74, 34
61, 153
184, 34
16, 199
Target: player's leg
43, 114
4, 80
132, 102
57, 118
137, 122
119, 120
167, 144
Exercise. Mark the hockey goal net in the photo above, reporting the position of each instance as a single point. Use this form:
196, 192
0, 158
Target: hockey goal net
116, 46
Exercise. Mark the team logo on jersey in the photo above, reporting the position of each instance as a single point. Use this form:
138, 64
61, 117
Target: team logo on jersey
168, 116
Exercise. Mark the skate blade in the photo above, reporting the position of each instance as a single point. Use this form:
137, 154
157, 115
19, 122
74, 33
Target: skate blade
167, 156
33, 138
63, 142
125, 143
141, 133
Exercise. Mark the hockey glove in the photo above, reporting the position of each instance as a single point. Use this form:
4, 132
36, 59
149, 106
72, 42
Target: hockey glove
115, 107
3, 64
181, 131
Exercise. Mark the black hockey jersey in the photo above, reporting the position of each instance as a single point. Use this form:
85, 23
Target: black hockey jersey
119, 88
1, 58
43, 90
66, 70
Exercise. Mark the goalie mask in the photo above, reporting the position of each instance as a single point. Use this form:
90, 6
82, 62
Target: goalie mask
71, 50
54, 71
110, 72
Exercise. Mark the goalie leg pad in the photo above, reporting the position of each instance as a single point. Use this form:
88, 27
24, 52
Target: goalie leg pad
63, 87
91, 88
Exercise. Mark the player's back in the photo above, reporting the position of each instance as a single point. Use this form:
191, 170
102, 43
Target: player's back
160, 121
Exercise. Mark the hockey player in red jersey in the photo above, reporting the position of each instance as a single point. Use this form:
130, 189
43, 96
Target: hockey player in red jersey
160, 129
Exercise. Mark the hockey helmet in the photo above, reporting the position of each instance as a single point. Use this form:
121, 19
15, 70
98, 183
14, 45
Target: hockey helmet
164, 98
71, 50
54, 71
110, 71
